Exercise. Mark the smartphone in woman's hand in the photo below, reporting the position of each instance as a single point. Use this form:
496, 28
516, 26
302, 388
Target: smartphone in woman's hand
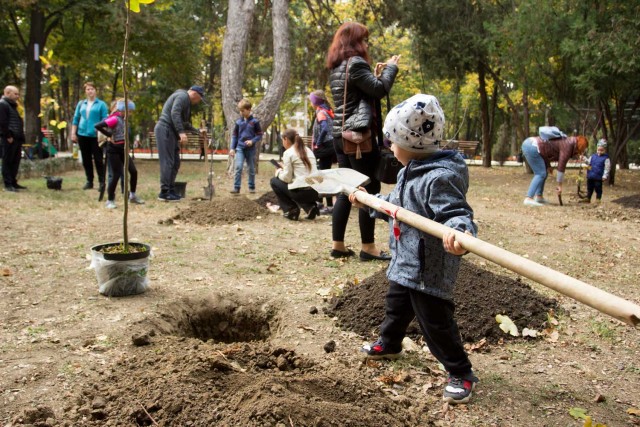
275, 163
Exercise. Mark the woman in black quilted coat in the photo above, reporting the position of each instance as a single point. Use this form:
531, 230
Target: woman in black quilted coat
361, 111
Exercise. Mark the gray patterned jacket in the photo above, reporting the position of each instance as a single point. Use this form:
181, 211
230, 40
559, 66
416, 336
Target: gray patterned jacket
436, 189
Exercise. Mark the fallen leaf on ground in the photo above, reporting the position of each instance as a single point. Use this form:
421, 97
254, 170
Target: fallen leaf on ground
507, 325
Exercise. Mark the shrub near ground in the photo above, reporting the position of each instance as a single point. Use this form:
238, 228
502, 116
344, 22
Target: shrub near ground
66, 355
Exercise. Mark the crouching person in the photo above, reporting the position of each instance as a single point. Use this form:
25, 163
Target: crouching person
297, 161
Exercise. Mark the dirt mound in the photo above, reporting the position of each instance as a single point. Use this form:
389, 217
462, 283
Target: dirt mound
222, 211
479, 296
269, 197
183, 381
629, 202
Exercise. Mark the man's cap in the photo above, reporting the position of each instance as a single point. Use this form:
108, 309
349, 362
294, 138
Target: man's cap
200, 91
416, 124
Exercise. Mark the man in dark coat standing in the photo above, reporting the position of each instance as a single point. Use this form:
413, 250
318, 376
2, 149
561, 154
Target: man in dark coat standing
11, 138
171, 132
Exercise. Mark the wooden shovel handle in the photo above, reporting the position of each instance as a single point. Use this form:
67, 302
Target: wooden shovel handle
605, 302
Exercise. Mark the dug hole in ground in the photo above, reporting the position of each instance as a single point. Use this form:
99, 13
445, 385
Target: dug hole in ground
249, 321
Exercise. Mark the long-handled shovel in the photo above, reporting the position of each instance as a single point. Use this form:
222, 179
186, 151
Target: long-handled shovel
334, 181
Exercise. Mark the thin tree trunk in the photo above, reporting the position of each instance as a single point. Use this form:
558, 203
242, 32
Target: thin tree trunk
34, 75
484, 113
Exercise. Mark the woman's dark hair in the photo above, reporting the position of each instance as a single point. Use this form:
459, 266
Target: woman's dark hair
348, 41
298, 143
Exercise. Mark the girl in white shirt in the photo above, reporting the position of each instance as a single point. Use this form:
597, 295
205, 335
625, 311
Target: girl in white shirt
297, 161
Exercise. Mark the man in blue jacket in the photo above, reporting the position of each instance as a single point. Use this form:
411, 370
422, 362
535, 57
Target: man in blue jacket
246, 135
171, 132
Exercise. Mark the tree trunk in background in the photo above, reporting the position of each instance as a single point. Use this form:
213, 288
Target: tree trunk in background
484, 113
234, 46
34, 75
268, 107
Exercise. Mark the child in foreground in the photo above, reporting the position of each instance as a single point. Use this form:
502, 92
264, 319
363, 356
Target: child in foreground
114, 127
423, 269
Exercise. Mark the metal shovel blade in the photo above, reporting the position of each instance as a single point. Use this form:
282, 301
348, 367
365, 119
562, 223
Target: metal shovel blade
328, 182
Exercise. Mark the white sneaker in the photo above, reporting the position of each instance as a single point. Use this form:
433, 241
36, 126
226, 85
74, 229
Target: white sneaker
531, 202
541, 199
136, 200
110, 204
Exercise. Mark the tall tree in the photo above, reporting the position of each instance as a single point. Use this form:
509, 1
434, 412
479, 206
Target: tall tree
239, 20
41, 17
452, 42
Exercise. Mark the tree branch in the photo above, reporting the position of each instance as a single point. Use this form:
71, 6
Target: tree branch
15, 25
62, 9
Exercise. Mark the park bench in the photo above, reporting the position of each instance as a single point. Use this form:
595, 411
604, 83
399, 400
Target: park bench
467, 149
195, 143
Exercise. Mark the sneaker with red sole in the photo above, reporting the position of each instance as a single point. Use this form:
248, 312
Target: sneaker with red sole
458, 389
378, 350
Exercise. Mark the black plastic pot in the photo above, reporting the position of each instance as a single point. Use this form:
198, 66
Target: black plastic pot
123, 257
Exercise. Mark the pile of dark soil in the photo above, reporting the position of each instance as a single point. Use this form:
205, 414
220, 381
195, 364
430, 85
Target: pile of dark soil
269, 197
479, 296
221, 211
629, 202
187, 382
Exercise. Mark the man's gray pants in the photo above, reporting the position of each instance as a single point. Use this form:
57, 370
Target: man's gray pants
169, 155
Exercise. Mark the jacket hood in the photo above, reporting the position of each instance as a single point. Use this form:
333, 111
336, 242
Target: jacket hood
447, 159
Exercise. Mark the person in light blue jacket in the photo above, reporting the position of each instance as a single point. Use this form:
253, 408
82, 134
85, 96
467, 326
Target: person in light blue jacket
89, 112
423, 268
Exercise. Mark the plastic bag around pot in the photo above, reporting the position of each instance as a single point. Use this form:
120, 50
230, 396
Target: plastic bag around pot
121, 275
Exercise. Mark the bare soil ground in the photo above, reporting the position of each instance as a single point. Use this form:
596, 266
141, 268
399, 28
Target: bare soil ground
249, 321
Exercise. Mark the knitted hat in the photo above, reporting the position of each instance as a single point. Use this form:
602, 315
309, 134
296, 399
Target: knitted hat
317, 98
602, 143
416, 124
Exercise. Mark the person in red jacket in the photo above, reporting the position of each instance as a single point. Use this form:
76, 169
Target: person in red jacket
551, 146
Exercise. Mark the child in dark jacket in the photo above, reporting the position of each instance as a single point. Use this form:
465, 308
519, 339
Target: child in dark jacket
599, 167
423, 268
246, 135
114, 128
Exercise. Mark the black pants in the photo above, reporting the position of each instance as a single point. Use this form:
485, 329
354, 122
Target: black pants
91, 153
169, 156
11, 156
325, 163
594, 184
291, 199
340, 216
115, 154
437, 322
